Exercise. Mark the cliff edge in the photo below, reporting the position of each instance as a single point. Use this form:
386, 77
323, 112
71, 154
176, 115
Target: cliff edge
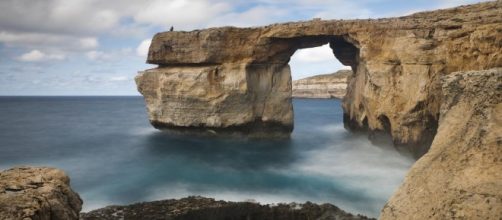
460, 177
324, 86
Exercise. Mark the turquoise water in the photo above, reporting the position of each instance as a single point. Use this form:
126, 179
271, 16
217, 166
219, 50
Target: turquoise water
113, 155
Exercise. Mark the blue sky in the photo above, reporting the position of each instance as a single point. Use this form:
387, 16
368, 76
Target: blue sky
95, 47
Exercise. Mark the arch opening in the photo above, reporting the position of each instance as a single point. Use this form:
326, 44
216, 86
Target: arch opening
321, 67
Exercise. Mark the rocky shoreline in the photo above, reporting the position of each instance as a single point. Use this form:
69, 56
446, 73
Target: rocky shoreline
210, 209
44, 193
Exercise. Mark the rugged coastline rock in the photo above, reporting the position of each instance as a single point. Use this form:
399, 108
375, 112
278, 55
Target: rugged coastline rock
461, 175
332, 85
207, 208
229, 77
37, 193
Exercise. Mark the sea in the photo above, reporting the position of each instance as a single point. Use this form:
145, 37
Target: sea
114, 156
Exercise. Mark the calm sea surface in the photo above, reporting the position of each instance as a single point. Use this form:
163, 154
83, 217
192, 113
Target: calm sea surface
114, 156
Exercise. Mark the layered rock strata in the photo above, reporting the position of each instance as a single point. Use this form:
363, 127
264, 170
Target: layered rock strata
37, 193
239, 77
332, 85
206, 208
460, 177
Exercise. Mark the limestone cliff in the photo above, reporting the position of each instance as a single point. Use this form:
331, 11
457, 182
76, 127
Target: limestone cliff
461, 175
37, 193
332, 85
239, 77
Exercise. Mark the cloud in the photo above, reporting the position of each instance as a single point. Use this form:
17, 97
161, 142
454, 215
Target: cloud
53, 41
313, 55
36, 56
184, 13
143, 47
58, 16
88, 43
119, 78
97, 55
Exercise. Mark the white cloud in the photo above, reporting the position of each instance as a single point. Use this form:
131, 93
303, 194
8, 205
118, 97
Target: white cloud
313, 61
58, 16
143, 47
313, 55
184, 13
97, 55
36, 55
119, 78
114, 55
88, 43
52, 41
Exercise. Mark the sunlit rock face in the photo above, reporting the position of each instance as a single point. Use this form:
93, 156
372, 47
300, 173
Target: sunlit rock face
460, 177
239, 77
332, 85
37, 193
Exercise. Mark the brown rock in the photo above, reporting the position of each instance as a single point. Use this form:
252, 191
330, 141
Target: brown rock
37, 193
332, 85
461, 175
234, 77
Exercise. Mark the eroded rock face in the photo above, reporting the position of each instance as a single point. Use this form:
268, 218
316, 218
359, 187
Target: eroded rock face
397, 64
207, 208
332, 85
227, 96
37, 193
460, 177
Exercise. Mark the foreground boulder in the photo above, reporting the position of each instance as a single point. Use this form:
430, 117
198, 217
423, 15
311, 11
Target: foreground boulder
37, 193
461, 175
210, 209
323, 86
228, 77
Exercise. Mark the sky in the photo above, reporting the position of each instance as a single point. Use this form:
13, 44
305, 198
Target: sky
95, 47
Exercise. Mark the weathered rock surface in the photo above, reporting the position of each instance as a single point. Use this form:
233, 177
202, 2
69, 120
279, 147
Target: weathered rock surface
229, 77
332, 85
227, 96
206, 208
37, 193
461, 175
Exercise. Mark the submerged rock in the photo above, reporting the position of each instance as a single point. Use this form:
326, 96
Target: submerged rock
210, 209
461, 175
37, 193
332, 85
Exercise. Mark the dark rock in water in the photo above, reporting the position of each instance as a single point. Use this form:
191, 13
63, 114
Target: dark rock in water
207, 208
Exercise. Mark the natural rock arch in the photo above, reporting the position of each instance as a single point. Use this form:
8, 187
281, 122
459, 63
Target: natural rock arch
251, 95
238, 78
